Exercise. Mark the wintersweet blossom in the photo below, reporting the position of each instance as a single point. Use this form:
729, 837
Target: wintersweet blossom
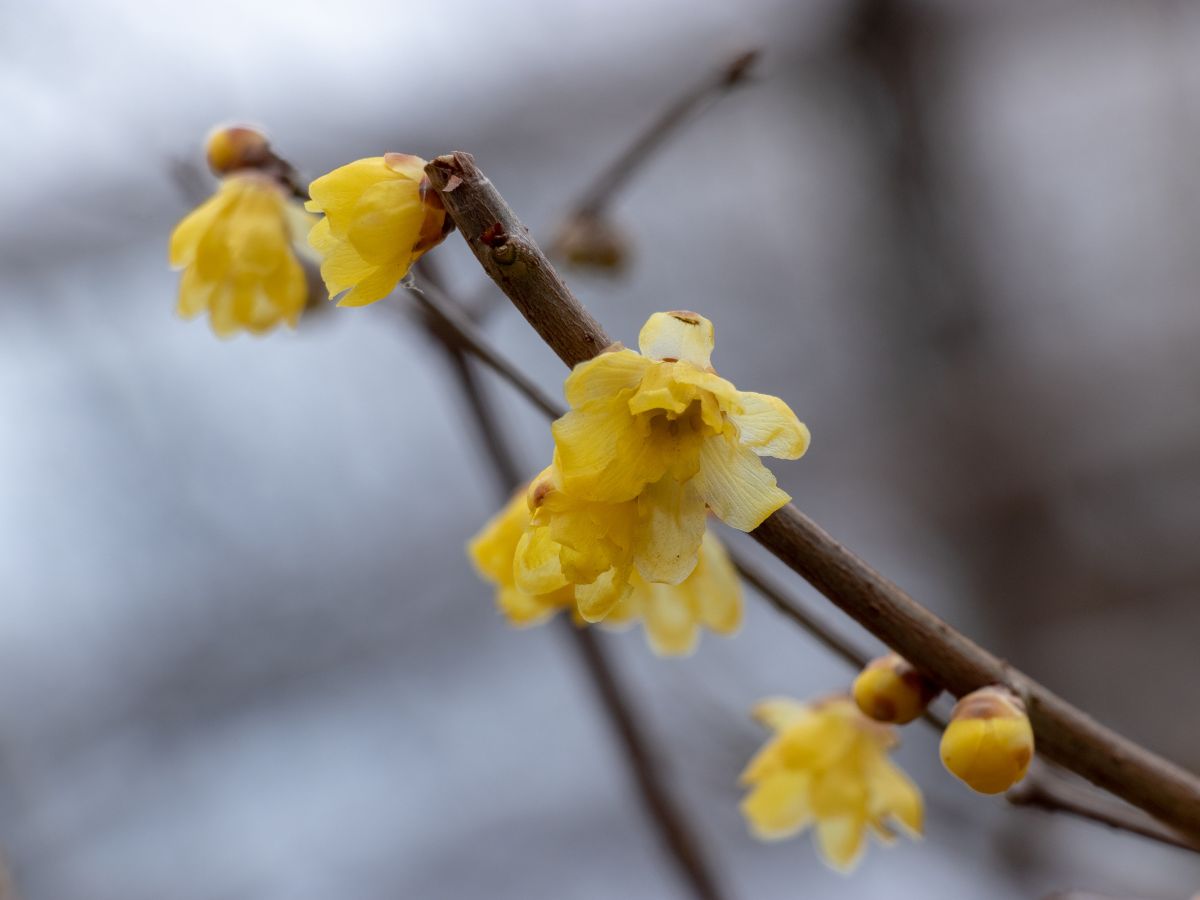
380, 216
672, 615
236, 250
662, 430
827, 765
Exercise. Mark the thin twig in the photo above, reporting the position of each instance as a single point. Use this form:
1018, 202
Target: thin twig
446, 323
595, 198
1053, 794
1084, 804
1064, 734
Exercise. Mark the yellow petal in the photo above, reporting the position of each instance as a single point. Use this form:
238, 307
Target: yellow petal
670, 528
716, 588
604, 376
738, 488
678, 335
523, 610
185, 239
768, 426
603, 451
386, 221
841, 840
337, 192
671, 627
596, 600
778, 807
493, 549
536, 566
778, 713
894, 796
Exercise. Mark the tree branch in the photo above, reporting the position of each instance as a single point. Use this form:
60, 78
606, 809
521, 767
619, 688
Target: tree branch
1064, 734
1084, 804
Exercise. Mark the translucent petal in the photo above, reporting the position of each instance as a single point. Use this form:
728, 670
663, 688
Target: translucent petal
536, 567
596, 600
492, 550
603, 452
671, 627
716, 588
738, 488
841, 840
895, 796
604, 376
678, 335
768, 426
671, 526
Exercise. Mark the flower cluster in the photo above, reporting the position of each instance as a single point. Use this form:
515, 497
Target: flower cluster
672, 615
651, 442
827, 766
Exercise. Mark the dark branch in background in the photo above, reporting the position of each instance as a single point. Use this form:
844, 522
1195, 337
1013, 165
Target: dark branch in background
1053, 794
594, 199
444, 321
1064, 734
1083, 803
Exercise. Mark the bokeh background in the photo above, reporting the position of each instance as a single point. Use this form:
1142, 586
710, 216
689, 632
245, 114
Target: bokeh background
243, 654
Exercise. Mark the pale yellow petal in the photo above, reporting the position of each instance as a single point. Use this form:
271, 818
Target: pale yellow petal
524, 610
604, 453
387, 221
841, 840
536, 566
778, 806
185, 239
778, 713
716, 588
604, 376
493, 549
671, 525
670, 622
738, 488
768, 426
375, 286
678, 335
596, 600
895, 797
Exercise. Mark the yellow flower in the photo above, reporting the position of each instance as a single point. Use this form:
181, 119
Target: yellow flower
988, 744
889, 689
828, 764
237, 256
663, 429
672, 614
380, 217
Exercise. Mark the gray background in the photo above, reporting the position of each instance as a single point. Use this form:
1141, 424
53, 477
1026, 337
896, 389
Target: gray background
243, 653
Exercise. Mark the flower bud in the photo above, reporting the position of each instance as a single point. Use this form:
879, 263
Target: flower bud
237, 147
589, 241
889, 689
989, 741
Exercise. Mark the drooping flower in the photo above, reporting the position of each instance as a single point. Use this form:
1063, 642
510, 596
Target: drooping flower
891, 690
827, 766
662, 429
380, 216
988, 744
672, 615
236, 250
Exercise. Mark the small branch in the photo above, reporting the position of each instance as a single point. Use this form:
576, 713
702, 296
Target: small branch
1053, 794
1064, 734
596, 197
458, 335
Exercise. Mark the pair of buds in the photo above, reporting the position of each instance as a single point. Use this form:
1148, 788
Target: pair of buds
988, 744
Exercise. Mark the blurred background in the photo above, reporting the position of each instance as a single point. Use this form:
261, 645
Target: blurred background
244, 655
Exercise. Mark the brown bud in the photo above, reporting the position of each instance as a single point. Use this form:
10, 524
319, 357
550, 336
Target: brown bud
591, 242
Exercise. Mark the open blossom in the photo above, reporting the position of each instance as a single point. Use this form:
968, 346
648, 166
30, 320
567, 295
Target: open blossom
673, 615
380, 217
663, 430
236, 250
827, 765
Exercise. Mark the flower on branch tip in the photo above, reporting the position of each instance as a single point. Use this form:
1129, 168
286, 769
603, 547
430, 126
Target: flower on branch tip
827, 766
672, 615
238, 259
381, 215
890, 690
988, 744
662, 430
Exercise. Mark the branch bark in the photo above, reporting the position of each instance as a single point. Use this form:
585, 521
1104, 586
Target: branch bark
1064, 734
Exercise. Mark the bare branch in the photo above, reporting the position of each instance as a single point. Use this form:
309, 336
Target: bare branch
1064, 734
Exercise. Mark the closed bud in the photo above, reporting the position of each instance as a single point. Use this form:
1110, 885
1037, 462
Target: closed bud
890, 690
989, 742
589, 241
237, 147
